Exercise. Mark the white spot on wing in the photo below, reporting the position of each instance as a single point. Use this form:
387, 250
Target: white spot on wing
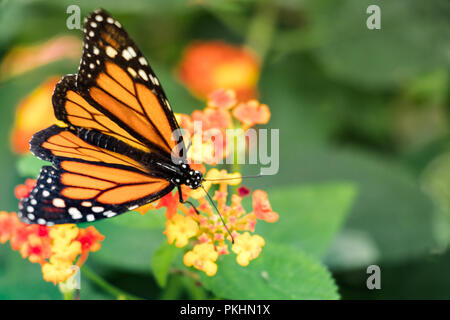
142, 61
126, 54
111, 52
132, 72
59, 203
109, 214
75, 213
143, 74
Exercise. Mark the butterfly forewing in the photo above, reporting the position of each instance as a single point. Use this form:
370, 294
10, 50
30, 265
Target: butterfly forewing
118, 118
116, 79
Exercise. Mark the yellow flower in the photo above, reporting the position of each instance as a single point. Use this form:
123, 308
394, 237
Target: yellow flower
180, 229
63, 244
202, 257
57, 270
64, 233
247, 248
219, 176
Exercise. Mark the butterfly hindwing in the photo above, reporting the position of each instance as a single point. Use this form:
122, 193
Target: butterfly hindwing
86, 182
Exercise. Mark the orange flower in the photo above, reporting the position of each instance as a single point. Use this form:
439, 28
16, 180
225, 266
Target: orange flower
252, 113
25, 58
90, 239
212, 118
262, 208
170, 201
8, 225
207, 66
56, 248
222, 98
37, 249
34, 113
23, 190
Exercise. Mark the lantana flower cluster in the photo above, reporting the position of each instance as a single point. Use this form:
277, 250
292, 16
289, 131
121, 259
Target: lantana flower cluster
205, 235
207, 129
57, 248
204, 68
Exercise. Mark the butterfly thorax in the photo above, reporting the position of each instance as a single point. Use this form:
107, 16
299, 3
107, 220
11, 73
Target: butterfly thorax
189, 177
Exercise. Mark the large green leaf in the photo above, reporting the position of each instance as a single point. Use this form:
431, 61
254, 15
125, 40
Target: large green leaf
126, 247
393, 215
382, 58
280, 272
162, 260
310, 216
21, 279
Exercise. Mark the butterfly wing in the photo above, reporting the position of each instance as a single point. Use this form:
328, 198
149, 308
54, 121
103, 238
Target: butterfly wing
71, 108
86, 182
117, 99
116, 79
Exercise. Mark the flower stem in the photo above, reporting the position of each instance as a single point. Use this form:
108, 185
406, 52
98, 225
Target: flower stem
262, 28
112, 290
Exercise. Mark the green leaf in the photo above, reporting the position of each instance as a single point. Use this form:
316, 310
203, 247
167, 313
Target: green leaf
153, 219
391, 212
280, 272
126, 247
162, 260
30, 166
382, 58
310, 216
21, 279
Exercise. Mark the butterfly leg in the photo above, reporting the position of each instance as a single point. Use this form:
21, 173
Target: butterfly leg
185, 201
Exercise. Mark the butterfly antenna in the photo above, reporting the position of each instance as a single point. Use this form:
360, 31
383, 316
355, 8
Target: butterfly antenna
224, 179
218, 212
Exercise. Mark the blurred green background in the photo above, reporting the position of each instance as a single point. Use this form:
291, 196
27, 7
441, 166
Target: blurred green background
363, 115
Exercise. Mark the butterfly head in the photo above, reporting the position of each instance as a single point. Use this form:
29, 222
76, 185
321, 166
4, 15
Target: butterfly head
196, 179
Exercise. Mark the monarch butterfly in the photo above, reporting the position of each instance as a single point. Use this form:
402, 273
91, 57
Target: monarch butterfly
118, 150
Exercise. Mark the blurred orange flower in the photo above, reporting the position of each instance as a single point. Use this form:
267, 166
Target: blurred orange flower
207, 66
251, 113
25, 58
33, 114
262, 207
57, 248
